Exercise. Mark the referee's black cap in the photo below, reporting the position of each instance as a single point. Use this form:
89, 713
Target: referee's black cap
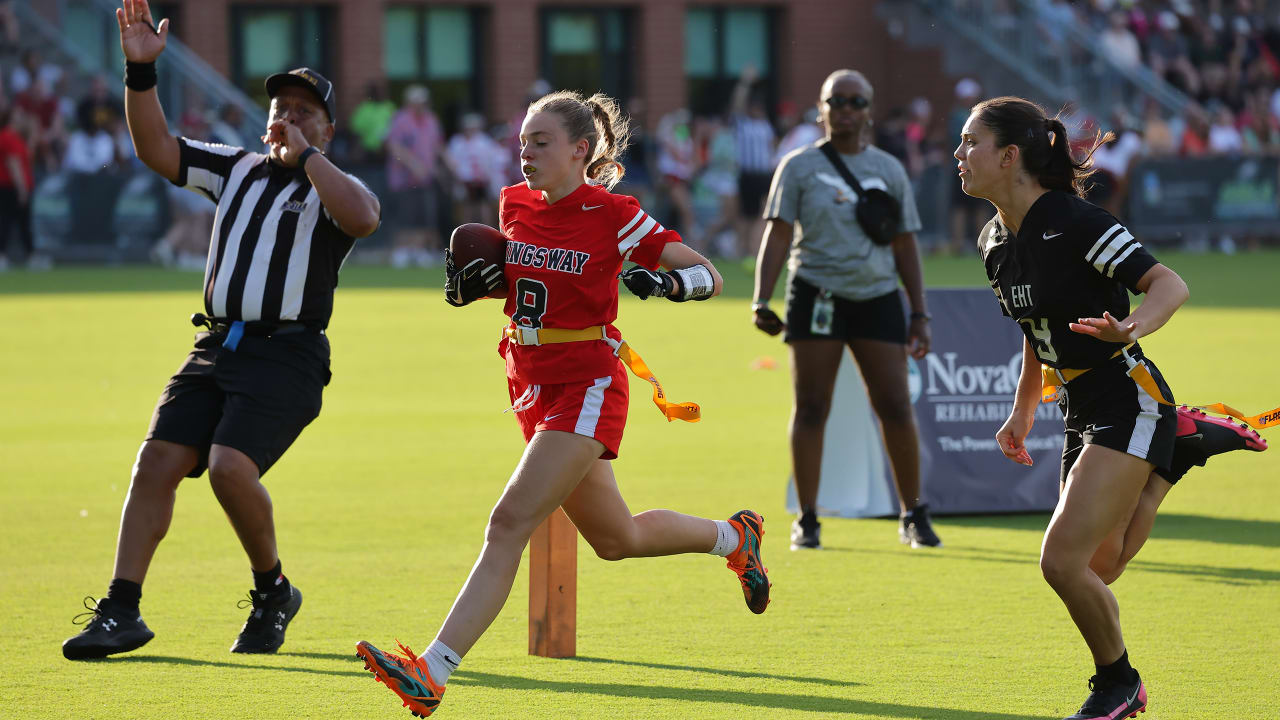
307, 79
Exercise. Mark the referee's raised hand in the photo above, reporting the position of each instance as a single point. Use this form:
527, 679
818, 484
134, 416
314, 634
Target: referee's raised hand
140, 40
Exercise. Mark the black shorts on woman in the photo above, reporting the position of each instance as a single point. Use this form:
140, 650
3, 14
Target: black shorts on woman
1107, 407
878, 318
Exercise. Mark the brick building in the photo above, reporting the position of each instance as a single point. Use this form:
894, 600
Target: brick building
484, 55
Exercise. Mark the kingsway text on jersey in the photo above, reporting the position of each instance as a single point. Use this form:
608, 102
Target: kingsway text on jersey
536, 256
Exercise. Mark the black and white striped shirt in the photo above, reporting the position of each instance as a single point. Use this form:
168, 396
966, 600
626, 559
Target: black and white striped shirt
754, 140
275, 251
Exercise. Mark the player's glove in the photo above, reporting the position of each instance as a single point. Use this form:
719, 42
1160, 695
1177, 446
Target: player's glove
645, 283
472, 282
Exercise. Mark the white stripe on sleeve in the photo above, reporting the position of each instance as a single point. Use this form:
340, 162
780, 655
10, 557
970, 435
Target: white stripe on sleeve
1112, 248
1111, 272
628, 226
1102, 240
629, 242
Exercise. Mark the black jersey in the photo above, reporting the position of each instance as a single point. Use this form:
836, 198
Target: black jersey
1070, 259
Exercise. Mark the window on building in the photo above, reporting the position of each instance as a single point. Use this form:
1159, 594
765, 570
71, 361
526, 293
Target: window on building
440, 48
718, 43
588, 50
271, 39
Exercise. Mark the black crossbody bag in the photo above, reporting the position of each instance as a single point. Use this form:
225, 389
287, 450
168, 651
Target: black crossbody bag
878, 212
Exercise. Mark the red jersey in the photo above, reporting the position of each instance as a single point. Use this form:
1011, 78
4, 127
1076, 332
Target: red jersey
562, 268
12, 145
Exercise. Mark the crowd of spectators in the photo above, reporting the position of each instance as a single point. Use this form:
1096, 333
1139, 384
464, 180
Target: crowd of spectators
706, 174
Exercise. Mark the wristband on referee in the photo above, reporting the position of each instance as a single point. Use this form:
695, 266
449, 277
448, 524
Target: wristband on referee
306, 155
140, 77
917, 315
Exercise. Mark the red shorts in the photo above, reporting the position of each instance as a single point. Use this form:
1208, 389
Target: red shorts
594, 408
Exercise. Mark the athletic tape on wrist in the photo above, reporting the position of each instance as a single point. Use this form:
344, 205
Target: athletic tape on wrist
696, 281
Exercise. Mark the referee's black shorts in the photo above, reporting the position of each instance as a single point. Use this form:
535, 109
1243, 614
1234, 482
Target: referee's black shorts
1107, 407
255, 399
879, 318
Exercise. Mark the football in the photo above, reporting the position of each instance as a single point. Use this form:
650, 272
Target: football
476, 240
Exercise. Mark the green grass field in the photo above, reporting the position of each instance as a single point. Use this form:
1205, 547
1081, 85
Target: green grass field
381, 506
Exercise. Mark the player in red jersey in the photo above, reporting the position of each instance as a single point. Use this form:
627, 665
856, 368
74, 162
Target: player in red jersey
568, 238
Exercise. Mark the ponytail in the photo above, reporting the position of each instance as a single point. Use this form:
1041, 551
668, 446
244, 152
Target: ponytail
1044, 143
592, 119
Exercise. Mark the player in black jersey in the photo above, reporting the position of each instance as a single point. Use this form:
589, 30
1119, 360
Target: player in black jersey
1062, 268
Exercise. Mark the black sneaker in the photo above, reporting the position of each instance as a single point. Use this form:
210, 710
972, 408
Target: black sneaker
107, 631
263, 632
805, 532
915, 528
1110, 700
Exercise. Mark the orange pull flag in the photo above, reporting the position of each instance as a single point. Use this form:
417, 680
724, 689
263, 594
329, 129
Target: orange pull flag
689, 412
1143, 377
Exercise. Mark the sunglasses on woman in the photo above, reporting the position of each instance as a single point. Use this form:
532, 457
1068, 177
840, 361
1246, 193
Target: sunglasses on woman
857, 102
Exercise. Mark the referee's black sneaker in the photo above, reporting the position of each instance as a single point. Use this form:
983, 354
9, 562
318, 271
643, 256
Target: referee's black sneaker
916, 529
263, 632
805, 532
1110, 700
108, 630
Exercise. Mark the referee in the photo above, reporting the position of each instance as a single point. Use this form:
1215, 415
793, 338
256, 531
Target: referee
284, 223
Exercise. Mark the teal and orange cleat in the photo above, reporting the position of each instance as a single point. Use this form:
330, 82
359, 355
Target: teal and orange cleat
745, 561
405, 674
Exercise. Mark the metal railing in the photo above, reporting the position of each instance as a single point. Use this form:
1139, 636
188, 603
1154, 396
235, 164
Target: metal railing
188, 75
1055, 53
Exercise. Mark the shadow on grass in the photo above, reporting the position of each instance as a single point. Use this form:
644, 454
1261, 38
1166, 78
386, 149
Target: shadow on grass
169, 660
780, 701
1177, 526
718, 671
1207, 573
1169, 526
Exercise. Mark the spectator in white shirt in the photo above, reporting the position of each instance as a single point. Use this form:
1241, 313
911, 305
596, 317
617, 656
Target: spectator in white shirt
1224, 136
479, 163
1118, 43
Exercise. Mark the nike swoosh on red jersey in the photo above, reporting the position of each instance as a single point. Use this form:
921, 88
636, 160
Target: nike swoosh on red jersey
590, 207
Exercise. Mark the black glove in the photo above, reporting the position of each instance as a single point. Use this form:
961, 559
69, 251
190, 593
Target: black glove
767, 320
644, 283
472, 282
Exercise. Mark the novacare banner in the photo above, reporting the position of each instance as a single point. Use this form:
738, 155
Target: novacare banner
962, 392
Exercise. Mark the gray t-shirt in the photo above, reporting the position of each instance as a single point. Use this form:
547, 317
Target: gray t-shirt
828, 247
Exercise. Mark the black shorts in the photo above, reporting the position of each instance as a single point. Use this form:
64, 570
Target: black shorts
880, 318
752, 187
1107, 407
255, 399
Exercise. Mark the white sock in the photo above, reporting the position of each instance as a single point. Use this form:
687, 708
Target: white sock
727, 539
441, 661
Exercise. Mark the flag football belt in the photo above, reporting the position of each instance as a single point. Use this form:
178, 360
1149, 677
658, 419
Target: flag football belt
1055, 378
237, 329
689, 412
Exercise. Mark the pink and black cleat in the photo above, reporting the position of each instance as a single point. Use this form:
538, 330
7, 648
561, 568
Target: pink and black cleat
1112, 701
1210, 436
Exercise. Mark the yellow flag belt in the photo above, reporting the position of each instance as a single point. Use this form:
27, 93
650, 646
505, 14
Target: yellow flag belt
687, 411
1055, 378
